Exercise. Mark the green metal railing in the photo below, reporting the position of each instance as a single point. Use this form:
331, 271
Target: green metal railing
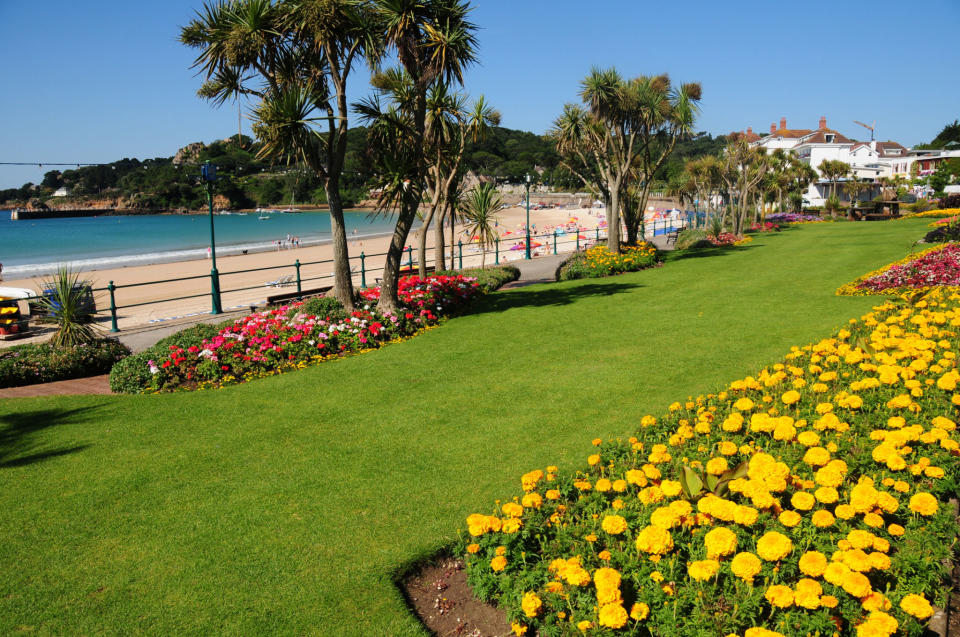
552, 240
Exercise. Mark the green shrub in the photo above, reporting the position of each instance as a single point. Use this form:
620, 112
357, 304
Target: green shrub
46, 363
489, 279
599, 262
131, 374
689, 237
324, 306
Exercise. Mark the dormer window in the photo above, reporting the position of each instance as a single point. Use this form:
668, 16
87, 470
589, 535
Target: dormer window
829, 137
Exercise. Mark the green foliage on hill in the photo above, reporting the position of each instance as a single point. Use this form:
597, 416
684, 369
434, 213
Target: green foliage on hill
249, 182
948, 137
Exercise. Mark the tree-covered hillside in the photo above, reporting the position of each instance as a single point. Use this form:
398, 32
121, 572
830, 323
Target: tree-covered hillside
170, 183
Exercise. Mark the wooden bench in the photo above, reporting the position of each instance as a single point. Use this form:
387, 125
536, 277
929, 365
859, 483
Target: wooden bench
673, 235
287, 296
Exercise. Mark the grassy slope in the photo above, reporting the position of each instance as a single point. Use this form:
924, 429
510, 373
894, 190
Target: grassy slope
285, 506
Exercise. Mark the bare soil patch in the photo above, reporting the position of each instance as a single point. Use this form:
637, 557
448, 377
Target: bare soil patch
438, 593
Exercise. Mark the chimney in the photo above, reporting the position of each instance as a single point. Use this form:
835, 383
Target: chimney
783, 123
773, 128
823, 123
749, 131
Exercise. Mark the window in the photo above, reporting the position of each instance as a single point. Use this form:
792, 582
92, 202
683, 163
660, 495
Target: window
829, 138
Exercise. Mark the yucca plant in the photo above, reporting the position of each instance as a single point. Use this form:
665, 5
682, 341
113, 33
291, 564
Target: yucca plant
65, 301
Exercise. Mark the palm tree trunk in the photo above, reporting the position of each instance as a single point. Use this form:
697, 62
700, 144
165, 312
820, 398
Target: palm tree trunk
439, 244
613, 217
342, 278
389, 300
422, 242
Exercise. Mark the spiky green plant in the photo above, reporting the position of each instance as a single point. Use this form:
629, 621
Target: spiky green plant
69, 308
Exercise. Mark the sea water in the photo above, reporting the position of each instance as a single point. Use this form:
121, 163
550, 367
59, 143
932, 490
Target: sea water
32, 247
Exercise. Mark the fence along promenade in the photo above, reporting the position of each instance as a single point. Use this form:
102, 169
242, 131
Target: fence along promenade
311, 278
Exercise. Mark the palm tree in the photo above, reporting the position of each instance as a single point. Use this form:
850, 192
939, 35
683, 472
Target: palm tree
801, 176
67, 301
833, 170
294, 57
434, 42
743, 169
478, 210
854, 188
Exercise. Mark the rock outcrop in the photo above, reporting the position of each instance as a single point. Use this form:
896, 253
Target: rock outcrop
189, 154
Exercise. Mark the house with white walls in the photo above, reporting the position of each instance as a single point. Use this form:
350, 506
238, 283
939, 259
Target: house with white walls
869, 161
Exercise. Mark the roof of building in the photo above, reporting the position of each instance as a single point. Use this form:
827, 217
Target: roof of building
790, 133
819, 136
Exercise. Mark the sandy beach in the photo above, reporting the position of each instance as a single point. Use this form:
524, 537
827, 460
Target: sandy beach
142, 305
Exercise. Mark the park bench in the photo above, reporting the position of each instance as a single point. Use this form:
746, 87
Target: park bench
288, 296
673, 235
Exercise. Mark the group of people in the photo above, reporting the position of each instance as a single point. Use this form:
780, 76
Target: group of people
289, 242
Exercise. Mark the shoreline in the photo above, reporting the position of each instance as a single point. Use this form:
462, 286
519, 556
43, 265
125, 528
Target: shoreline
245, 278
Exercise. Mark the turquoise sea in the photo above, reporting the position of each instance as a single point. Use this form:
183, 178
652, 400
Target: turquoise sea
37, 246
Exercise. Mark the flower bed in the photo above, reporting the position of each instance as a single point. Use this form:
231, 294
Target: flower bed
598, 261
281, 339
933, 267
938, 212
725, 239
793, 218
944, 222
809, 498
766, 226
43, 363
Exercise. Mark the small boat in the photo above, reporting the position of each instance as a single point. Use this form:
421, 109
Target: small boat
291, 210
264, 214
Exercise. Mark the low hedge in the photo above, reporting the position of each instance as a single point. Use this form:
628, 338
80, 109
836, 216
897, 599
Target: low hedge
42, 363
131, 374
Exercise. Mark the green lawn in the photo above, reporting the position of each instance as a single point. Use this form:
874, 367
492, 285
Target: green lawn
287, 506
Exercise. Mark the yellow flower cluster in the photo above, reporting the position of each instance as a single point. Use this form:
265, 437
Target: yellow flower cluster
939, 212
802, 492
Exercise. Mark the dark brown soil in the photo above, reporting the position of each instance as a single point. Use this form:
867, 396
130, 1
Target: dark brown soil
953, 621
439, 595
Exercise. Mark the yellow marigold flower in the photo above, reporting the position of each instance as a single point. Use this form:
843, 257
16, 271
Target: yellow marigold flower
762, 632
671, 488
518, 629
844, 511
619, 486
605, 555
532, 500
512, 509
512, 525
899, 402
473, 548
531, 605
498, 563
655, 540
716, 466
924, 504
636, 477
553, 494
878, 624
774, 546
719, 542
728, 448
813, 563
879, 561
596, 442
875, 601
856, 584
702, 570
593, 459
603, 485
554, 587
803, 501
612, 616
743, 404
829, 601
816, 456
835, 572
873, 520
826, 495
639, 611
789, 519
779, 596
790, 397
745, 566
822, 519
529, 480
501, 550
614, 524
917, 606
744, 515
584, 626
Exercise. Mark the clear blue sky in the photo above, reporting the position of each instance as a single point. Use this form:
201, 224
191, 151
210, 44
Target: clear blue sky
99, 81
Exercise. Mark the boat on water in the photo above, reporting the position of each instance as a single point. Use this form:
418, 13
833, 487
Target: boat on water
291, 210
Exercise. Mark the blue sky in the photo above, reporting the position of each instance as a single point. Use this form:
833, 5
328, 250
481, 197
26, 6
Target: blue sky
98, 81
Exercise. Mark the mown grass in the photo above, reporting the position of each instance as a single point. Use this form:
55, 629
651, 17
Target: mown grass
288, 505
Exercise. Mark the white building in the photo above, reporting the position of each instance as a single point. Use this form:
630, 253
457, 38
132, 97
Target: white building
869, 161
62, 191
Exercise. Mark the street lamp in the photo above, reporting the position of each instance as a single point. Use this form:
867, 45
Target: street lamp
528, 215
208, 173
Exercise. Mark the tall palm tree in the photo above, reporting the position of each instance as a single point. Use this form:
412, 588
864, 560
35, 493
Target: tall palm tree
801, 176
478, 209
434, 42
833, 170
294, 57
743, 169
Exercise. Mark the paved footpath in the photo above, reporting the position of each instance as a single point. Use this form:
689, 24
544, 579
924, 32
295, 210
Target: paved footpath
539, 270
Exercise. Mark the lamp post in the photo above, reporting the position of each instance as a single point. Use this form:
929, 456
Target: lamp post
528, 215
208, 173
